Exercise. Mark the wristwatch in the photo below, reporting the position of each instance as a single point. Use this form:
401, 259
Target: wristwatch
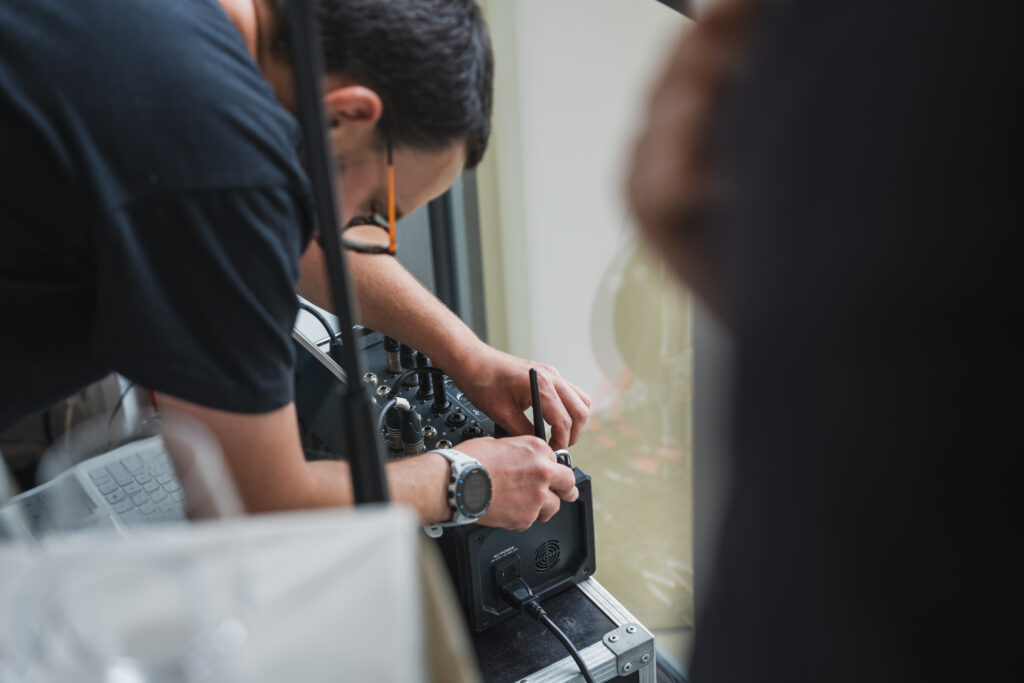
469, 490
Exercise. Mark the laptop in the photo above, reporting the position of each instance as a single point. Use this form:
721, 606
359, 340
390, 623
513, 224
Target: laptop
131, 485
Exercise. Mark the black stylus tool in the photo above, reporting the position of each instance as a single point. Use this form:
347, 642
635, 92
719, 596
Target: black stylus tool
538, 415
538, 419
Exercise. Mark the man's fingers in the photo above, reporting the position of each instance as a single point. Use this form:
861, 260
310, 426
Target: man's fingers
548, 508
564, 405
556, 412
584, 396
517, 424
529, 484
563, 483
579, 410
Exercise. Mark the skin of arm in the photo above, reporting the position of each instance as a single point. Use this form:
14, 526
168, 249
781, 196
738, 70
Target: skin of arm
263, 454
393, 302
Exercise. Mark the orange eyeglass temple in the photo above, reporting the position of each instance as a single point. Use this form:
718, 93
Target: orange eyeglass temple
392, 240
391, 209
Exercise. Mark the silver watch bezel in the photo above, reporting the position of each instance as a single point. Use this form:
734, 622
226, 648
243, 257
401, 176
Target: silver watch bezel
461, 464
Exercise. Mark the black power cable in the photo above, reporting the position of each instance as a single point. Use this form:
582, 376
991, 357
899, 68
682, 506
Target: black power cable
308, 308
518, 593
396, 385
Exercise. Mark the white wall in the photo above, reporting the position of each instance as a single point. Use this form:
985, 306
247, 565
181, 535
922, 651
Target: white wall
572, 78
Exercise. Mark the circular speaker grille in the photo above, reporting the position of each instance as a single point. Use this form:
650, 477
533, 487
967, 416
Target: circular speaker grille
546, 556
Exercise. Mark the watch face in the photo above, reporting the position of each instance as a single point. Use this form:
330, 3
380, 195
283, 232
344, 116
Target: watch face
476, 492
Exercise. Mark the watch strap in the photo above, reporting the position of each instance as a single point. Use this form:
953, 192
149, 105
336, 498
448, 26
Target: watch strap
459, 462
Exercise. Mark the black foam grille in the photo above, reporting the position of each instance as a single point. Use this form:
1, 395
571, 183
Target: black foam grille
546, 556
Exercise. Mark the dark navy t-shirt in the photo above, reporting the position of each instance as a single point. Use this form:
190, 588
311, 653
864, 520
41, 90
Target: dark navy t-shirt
153, 207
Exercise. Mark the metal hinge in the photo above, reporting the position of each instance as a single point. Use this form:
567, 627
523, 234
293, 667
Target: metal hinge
633, 646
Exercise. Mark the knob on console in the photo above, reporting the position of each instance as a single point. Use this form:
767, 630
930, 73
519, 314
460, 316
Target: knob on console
425, 390
391, 353
407, 354
472, 431
393, 423
412, 433
440, 404
456, 419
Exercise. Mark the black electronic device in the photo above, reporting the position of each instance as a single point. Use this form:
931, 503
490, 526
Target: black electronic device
550, 556
447, 417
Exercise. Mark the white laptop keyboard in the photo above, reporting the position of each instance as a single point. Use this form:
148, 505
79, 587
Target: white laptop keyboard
134, 484
140, 486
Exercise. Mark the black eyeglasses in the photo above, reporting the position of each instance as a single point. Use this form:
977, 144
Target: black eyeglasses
376, 219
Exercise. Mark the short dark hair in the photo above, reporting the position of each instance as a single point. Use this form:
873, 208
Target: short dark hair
429, 60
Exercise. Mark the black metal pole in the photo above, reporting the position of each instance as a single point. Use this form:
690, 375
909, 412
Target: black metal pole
442, 239
359, 429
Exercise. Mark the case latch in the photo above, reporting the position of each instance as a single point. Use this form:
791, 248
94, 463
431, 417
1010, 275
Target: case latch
633, 646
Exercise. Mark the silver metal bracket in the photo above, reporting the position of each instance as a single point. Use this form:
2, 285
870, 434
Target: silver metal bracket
633, 646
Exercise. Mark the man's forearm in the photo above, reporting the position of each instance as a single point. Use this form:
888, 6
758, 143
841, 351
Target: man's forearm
393, 302
270, 472
418, 482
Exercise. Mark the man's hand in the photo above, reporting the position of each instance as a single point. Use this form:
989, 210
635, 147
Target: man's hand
262, 453
394, 303
499, 384
528, 482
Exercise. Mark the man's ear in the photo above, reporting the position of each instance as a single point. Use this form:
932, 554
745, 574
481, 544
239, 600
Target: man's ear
352, 104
